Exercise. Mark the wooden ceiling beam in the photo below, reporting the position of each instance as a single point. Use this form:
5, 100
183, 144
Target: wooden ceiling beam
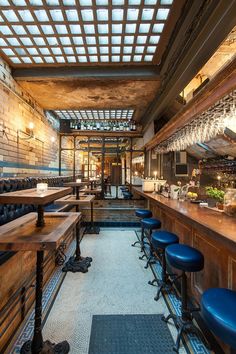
222, 84
135, 72
201, 28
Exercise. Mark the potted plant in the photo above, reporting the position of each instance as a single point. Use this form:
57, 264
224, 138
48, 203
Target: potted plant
217, 196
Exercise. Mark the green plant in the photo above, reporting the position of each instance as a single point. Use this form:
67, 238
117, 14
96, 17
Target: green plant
215, 193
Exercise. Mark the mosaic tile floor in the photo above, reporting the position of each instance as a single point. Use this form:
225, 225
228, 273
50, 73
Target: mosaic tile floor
116, 283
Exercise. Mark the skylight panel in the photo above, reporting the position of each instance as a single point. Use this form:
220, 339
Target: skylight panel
5, 30
68, 50
139, 49
93, 59
10, 15
75, 29
56, 51
71, 59
4, 3
148, 57
130, 28
91, 40
132, 14
154, 39
47, 29
103, 29
103, 40
78, 40
69, 2
117, 2
72, 15
104, 50
36, 2
141, 39
134, 2
65, 40
92, 50
39, 41
32, 51
27, 60
19, 29
80, 50
26, 41
89, 29
162, 14
102, 15
60, 59
8, 51
117, 14
61, 29
127, 50
57, 15
115, 50
15, 60
85, 2
26, 15
116, 39
33, 30
101, 2
166, 2
49, 60
3, 43
44, 51
144, 27
129, 40
137, 57
41, 15
87, 15
151, 49
52, 41
82, 59
13, 41
52, 2
20, 51
158, 28
147, 14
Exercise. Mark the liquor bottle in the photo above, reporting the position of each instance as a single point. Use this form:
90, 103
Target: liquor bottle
71, 124
134, 126
117, 126
121, 127
94, 126
98, 125
102, 127
78, 125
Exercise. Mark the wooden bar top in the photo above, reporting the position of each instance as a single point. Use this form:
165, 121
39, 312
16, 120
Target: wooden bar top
71, 199
218, 223
23, 235
31, 196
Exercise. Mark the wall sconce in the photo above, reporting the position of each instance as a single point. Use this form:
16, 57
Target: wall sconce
28, 134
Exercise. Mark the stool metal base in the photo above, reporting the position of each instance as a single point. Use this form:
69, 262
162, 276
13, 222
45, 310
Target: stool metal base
184, 326
48, 348
75, 264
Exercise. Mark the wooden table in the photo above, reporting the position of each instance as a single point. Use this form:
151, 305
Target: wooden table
76, 186
31, 196
79, 263
23, 235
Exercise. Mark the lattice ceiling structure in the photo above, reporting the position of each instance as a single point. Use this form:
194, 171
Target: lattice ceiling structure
113, 114
80, 32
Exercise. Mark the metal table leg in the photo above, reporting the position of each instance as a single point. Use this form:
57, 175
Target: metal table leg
77, 263
92, 229
37, 345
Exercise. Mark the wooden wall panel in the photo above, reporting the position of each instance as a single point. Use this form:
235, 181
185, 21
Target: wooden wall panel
232, 272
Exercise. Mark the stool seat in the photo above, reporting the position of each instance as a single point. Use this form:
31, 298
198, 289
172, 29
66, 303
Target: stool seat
150, 223
143, 213
218, 308
162, 239
185, 258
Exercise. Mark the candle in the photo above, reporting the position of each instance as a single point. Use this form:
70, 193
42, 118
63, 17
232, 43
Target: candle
42, 187
78, 180
155, 174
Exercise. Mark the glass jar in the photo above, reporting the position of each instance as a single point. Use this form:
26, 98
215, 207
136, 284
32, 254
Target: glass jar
230, 202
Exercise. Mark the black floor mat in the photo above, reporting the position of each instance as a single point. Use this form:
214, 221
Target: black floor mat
130, 334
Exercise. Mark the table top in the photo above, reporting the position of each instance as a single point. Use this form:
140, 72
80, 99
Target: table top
213, 221
89, 190
22, 234
71, 199
31, 196
74, 184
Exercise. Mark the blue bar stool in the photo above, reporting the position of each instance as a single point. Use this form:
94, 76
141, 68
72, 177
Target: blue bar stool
160, 240
186, 259
142, 213
218, 308
150, 224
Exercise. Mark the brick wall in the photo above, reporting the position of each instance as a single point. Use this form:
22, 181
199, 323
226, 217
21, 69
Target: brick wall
17, 110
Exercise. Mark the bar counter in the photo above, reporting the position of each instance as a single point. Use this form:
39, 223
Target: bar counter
212, 232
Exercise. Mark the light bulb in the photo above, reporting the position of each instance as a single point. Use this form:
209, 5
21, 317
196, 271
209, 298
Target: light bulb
31, 125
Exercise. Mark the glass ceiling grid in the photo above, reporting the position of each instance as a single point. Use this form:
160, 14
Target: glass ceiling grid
93, 114
81, 31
